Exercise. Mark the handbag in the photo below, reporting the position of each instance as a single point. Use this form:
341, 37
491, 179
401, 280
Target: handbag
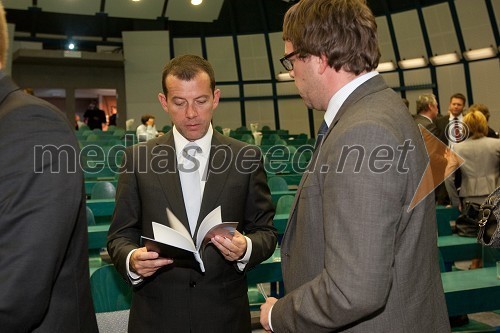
489, 230
467, 222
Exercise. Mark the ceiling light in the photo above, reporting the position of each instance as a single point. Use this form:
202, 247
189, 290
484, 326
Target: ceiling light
412, 63
484, 53
71, 46
386, 66
196, 2
445, 59
284, 77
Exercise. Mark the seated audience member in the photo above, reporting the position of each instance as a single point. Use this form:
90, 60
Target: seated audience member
147, 130
78, 122
484, 110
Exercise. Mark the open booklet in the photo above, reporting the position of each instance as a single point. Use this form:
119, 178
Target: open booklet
176, 242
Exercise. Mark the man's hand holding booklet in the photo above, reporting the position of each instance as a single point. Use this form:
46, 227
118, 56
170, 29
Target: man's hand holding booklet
176, 242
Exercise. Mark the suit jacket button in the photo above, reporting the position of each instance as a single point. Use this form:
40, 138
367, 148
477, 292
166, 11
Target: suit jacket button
192, 284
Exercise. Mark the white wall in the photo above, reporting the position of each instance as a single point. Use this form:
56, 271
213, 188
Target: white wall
145, 53
143, 68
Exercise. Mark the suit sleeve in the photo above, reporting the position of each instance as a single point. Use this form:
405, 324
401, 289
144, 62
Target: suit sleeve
126, 229
361, 212
40, 200
259, 214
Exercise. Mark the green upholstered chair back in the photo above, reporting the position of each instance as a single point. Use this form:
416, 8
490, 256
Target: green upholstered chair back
103, 190
284, 204
109, 291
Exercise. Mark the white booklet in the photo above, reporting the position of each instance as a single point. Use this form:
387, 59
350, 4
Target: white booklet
176, 242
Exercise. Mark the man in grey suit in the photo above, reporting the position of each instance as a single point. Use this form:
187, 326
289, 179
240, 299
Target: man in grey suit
44, 275
357, 255
168, 296
427, 111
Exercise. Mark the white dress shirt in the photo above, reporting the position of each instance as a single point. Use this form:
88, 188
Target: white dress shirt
205, 144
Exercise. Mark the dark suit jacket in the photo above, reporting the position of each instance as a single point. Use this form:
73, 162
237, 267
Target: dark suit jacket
178, 299
44, 275
354, 257
441, 124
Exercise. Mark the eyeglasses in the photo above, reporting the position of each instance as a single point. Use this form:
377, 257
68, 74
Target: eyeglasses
286, 62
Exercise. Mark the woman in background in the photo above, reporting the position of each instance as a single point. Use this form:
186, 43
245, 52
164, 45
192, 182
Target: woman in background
481, 170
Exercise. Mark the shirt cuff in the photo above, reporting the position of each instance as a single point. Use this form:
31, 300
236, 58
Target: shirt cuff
135, 279
269, 318
242, 263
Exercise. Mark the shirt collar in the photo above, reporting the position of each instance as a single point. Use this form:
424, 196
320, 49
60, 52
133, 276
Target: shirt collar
340, 96
423, 115
204, 142
460, 117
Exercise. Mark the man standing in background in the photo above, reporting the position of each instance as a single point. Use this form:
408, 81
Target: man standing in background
94, 117
450, 126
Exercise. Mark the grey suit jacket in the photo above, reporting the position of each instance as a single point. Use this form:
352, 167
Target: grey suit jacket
354, 259
44, 275
480, 171
428, 124
179, 299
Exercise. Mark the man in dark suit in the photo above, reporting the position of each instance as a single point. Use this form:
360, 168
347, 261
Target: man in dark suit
44, 275
358, 254
94, 117
450, 126
169, 297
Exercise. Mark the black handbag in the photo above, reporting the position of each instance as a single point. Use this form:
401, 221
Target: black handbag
467, 222
489, 230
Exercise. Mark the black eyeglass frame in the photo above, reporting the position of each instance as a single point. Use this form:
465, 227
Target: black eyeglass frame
285, 61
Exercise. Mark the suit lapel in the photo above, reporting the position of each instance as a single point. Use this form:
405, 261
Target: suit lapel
170, 181
371, 86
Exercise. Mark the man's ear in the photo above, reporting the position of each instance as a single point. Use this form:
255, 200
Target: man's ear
163, 101
215, 102
323, 64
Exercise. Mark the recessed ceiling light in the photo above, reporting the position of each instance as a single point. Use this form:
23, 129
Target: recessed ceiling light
196, 2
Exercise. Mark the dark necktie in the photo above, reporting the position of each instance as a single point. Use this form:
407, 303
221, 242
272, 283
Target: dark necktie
456, 130
321, 133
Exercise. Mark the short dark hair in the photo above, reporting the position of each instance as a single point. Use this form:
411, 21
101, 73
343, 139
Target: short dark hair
146, 117
459, 96
185, 67
345, 31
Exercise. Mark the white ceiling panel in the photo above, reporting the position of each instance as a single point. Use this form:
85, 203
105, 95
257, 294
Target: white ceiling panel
17, 4
144, 9
82, 7
183, 10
